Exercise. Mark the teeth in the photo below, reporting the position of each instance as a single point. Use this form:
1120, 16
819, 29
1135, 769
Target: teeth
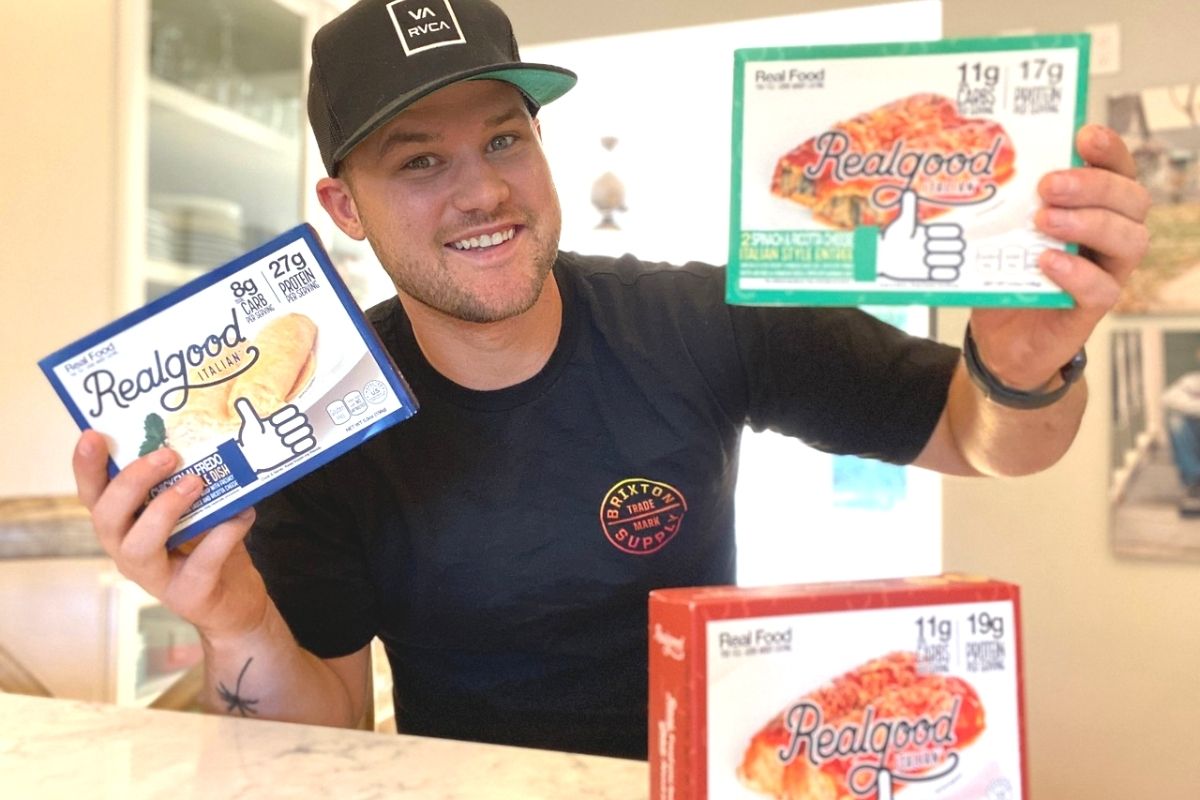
479, 242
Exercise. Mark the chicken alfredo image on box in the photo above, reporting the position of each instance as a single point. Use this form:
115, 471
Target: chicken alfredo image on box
900, 173
256, 374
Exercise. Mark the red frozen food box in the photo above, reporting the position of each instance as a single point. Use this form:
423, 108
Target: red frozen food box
838, 691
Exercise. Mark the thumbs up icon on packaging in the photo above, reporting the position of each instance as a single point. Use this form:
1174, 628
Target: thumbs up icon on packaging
273, 441
913, 251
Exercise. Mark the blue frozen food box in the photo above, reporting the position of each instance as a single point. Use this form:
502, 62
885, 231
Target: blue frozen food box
256, 374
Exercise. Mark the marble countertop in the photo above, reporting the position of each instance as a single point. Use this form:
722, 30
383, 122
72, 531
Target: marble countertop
68, 749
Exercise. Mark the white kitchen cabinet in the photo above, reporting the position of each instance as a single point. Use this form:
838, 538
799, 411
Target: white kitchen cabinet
215, 153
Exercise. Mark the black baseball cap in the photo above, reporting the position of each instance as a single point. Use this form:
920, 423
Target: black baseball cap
380, 56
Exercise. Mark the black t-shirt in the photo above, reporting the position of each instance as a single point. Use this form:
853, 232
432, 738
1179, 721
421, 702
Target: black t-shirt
502, 544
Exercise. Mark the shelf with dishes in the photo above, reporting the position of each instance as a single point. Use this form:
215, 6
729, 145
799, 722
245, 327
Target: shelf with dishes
163, 276
269, 124
230, 66
214, 144
189, 234
198, 147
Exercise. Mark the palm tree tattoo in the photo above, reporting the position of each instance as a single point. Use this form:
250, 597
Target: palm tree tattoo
233, 700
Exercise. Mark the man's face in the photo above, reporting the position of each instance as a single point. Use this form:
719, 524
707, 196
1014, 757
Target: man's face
456, 198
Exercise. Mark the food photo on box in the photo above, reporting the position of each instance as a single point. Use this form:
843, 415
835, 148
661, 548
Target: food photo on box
255, 374
900, 173
837, 690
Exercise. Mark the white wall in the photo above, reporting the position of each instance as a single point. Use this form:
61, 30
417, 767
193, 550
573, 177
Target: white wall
1111, 644
56, 219
57, 622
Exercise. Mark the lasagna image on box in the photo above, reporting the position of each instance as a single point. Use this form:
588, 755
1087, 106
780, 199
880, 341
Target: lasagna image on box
837, 741
855, 172
838, 691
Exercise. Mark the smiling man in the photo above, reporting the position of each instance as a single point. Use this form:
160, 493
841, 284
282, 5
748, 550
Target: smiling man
456, 198
456, 195
580, 417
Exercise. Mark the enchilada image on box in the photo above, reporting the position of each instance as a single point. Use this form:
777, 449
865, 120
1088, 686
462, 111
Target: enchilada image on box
900, 173
839, 690
256, 374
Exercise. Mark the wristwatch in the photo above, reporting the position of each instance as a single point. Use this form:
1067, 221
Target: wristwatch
997, 392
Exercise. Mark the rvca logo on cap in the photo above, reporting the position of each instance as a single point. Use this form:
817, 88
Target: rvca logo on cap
424, 24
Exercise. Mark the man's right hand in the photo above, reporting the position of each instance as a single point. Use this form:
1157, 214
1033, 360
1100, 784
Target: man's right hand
216, 586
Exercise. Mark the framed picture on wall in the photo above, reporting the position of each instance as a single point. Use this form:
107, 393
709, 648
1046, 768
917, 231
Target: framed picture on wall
1161, 127
1155, 442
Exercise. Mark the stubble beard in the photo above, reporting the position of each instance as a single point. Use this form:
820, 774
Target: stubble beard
435, 285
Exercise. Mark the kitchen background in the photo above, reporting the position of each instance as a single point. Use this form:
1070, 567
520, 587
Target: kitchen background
1111, 643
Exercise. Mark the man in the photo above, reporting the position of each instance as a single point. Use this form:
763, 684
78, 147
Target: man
576, 445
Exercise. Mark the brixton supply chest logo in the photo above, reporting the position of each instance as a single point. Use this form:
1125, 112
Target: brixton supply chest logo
640, 516
425, 24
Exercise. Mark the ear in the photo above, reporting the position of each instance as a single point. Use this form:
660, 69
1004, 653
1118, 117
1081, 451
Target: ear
537, 127
335, 197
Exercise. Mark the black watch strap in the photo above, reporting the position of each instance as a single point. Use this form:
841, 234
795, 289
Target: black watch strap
997, 392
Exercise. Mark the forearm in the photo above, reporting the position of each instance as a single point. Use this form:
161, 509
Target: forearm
996, 440
267, 675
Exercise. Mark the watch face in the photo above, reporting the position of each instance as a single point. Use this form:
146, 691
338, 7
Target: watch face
1074, 368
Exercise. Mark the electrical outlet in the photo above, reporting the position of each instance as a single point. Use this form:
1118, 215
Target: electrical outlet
1106, 48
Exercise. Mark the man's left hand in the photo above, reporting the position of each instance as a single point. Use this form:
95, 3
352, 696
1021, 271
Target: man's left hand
1102, 208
